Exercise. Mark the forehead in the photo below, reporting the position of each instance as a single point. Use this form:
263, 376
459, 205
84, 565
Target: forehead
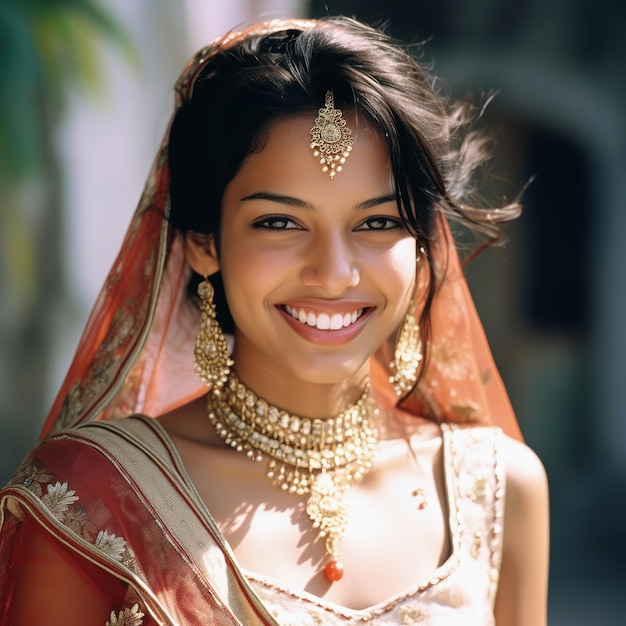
286, 162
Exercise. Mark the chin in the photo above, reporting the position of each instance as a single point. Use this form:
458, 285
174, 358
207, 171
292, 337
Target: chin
333, 373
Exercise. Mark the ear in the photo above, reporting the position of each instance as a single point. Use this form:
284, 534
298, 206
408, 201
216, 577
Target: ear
201, 254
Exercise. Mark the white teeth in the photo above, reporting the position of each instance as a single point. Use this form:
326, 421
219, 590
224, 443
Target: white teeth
325, 321
336, 321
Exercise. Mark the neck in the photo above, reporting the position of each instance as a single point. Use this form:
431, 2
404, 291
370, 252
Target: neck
306, 399
307, 455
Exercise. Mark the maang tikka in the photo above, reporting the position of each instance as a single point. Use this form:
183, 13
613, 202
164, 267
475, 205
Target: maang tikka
331, 139
212, 361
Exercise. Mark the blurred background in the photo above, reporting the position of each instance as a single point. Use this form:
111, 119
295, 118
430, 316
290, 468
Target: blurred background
86, 93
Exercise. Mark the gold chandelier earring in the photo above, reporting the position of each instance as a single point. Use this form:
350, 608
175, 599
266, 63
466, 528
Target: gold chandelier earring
212, 361
407, 355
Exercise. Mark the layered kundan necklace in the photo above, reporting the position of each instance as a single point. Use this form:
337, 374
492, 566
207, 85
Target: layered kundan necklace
319, 457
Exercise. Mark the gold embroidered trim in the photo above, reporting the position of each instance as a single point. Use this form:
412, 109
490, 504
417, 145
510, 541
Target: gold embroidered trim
62, 503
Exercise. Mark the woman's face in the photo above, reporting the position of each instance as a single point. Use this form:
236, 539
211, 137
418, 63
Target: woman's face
317, 272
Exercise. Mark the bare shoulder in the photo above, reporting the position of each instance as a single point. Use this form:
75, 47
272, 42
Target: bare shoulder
525, 474
522, 592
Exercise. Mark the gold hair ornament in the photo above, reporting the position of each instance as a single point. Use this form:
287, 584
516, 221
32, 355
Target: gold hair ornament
331, 139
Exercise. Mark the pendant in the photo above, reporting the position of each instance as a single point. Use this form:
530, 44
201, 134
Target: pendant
327, 512
333, 571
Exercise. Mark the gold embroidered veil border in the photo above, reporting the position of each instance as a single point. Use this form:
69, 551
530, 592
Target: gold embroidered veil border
136, 352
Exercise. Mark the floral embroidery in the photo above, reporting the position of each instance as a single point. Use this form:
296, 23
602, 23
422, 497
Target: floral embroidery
59, 499
76, 519
412, 614
62, 503
450, 596
110, 544
451, 359
31, 476
127, 617
122, 328
75, 402
104, 366
476, 487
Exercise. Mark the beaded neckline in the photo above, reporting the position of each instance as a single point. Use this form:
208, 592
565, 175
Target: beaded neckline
319, 457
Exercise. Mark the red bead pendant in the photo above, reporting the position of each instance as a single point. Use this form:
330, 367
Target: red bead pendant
333, 571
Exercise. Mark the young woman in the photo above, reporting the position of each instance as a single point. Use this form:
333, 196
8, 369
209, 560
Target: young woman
338, 455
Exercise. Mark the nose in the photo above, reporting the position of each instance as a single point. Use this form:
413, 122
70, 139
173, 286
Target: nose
331, 265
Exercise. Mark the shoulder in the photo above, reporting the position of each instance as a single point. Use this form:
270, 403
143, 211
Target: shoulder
526, 478
64, 456
520, 467
526, 515
522, 592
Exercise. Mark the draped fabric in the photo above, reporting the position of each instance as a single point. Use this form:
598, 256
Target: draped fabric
117, 496
128, 515
136, 357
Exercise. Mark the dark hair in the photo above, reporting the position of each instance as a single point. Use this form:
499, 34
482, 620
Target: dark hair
265, 77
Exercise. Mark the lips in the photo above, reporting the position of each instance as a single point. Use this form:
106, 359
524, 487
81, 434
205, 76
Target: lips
324, 320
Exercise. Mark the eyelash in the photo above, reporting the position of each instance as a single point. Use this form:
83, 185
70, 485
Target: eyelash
391, 223
269, 223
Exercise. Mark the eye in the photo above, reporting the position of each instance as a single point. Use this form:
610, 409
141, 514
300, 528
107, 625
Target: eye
276, 222
381, 222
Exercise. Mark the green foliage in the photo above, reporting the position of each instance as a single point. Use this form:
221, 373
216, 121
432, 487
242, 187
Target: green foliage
47, 47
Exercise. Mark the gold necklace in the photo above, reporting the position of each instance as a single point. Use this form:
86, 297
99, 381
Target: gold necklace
321, 457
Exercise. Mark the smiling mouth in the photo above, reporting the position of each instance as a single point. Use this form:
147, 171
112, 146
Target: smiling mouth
324, 321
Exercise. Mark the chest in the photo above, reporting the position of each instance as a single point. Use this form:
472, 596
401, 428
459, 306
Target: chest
397, 528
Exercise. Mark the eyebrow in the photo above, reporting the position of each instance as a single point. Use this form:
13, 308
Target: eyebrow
302, 204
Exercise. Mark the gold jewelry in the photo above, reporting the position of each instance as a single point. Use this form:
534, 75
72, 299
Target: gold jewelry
407, 355
321, 457
331, 139
212, 362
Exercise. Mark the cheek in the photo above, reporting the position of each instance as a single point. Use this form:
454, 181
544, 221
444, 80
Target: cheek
400, 263
256, 266
250, 275
399, 276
